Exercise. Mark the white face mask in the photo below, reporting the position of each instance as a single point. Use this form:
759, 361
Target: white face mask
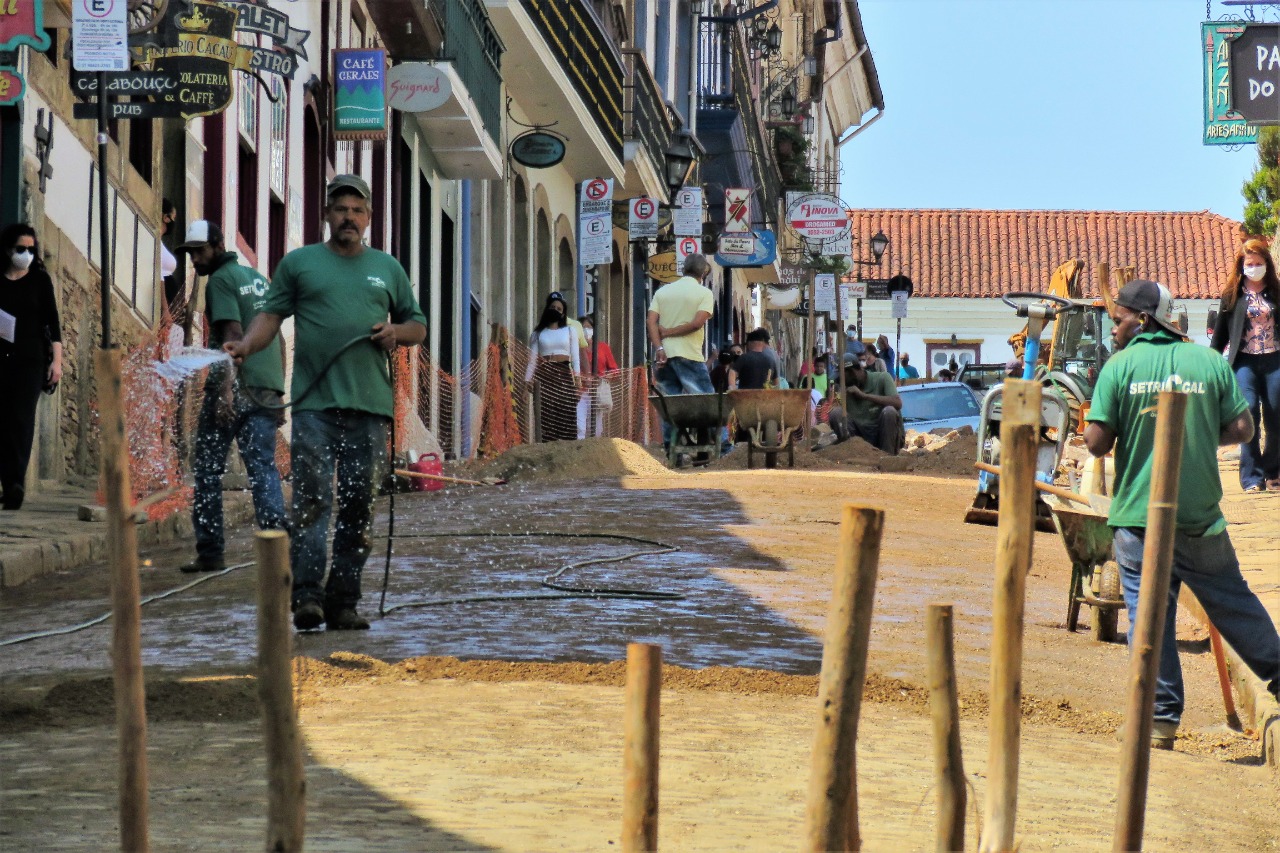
1255, 273
22, 260
589, 333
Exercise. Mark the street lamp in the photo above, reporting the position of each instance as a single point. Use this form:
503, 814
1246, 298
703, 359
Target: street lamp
682, 154
773, 37
695, 6
878, 245
787, 103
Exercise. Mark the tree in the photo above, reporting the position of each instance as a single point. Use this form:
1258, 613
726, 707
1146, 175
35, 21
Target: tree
1262, 191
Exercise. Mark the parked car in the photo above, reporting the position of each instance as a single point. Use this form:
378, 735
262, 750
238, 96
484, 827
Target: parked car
982, 377
934, 405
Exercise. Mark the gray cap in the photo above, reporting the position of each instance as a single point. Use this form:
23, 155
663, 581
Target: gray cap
348, 182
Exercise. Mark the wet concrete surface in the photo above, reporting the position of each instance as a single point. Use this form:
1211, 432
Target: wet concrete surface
212, 625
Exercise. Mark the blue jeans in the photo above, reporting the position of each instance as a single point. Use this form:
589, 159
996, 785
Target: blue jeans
1259, 378
682, 376
254, 431
355, 443
1208, 566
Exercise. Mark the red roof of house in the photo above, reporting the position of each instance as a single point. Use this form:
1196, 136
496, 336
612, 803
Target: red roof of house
986, 253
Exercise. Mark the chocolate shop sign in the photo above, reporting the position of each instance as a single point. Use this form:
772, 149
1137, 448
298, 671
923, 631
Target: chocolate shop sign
184, 66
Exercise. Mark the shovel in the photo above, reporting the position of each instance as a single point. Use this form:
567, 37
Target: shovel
1100, 504
487, 481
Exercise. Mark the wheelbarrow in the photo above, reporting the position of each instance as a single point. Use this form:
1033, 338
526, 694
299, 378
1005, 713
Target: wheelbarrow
697, 421
1095, 576
771, 418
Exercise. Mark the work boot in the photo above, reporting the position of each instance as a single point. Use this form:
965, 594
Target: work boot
308, 615
1163, 734
345, 619
201, 565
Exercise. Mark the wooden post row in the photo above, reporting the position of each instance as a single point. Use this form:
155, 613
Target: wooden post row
1153, 603
832, 813
126, 608
944, 709
640, 748
286, 781
1015, 531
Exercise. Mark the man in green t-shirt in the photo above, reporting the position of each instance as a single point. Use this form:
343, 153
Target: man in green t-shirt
1152, 356
234, 294
351, 305
872, 408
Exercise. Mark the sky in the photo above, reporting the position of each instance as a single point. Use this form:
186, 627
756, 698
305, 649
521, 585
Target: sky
1041, 104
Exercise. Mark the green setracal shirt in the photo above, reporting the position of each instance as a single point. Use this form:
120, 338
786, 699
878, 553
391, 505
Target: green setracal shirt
1125, 402
238, 293
334, 299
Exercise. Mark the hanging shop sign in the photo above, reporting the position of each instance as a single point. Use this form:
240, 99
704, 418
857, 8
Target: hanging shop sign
1254, 73
22, 23
199, 51
537, 149
252, 18
360, 94
663, 267
762, 251
417, 87
1222, 125
12, 86
737, 210
818, 217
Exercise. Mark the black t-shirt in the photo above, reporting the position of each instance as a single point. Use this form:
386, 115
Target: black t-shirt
31, 301
756, 368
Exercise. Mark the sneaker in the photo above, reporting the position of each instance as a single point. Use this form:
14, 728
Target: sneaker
308, 615
345, 619
1254, 489
199, 565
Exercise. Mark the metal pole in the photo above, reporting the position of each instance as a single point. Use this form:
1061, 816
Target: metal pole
592, 405
897, 354
806, 357
104, 228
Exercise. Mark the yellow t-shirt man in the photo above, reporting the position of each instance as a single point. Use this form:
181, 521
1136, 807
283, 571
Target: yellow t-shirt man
678, 303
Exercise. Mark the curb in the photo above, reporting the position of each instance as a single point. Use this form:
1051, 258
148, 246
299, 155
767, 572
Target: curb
18, 565
1258, 709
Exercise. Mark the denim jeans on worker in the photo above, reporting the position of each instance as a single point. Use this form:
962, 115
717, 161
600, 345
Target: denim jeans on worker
1208, 566
682, 376
354, 444
254, 431
1259, 379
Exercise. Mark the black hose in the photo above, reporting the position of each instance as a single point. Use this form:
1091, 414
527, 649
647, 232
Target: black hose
279, 407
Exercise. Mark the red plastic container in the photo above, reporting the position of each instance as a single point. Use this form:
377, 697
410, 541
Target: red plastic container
428, 463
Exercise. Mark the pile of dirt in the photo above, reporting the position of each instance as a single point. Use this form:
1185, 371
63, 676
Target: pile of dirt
854, 453
571, 460
952, 453
80, 702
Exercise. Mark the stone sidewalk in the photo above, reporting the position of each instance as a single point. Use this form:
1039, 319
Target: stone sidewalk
47, 534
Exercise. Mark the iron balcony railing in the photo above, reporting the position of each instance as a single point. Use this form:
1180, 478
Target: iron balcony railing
588, 55
763, 162
647, 118
473, 46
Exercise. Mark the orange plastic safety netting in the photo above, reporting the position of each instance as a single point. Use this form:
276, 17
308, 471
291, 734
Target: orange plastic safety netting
494, 407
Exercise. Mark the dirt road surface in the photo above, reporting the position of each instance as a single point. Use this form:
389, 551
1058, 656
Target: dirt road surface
516, 746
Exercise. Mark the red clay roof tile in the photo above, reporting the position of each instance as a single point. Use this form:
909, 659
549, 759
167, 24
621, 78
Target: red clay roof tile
989, 252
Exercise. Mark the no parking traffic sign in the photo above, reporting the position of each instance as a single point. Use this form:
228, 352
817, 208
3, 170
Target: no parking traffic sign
686, 246
595, 223
643, 223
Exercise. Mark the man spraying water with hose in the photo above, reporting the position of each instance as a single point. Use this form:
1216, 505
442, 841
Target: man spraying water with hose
234, 294
341, 294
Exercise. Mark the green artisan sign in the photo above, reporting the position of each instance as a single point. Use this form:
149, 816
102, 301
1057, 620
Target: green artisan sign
1222, 126
360, 94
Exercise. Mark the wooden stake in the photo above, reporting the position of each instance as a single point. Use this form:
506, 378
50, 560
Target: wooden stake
944, 708
126, 609
832, 820
286, 781
1019, 439
640, 748
1148, 629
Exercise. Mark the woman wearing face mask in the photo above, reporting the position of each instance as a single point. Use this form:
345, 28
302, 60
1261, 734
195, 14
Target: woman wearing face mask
1247, 330
28, 325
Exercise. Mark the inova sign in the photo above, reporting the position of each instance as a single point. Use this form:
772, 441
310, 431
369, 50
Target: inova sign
537, 150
